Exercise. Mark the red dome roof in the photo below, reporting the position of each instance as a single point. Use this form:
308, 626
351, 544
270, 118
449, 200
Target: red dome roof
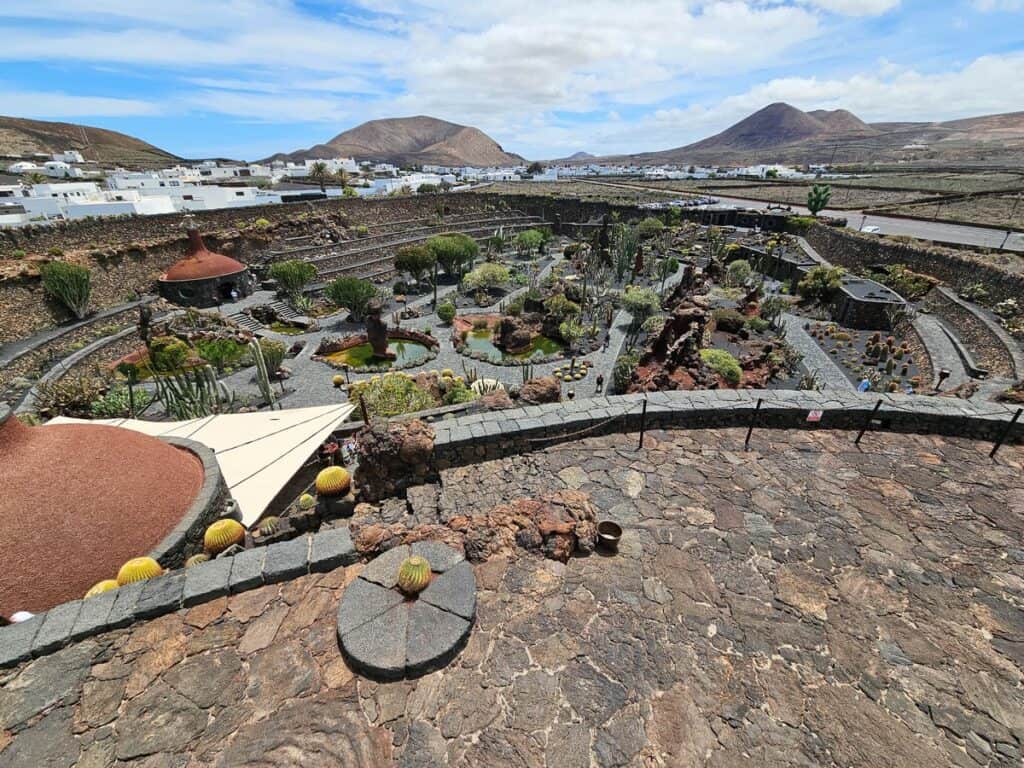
200, 263
77, 501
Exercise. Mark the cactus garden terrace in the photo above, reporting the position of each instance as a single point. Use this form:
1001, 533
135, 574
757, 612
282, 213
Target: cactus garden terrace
740, 561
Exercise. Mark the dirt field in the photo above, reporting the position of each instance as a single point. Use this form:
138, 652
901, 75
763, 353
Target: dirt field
842, 197
579, 189
993, 211
962, 183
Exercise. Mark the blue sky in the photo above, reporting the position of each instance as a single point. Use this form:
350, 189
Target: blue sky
246, 78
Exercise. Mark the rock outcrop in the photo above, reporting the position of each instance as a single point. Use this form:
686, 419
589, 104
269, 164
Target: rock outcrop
393, 456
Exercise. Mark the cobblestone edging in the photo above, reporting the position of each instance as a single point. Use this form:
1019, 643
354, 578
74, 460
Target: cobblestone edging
79, 619
170, 552
500, 433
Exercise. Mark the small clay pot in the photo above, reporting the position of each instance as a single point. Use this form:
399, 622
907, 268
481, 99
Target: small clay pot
608, 535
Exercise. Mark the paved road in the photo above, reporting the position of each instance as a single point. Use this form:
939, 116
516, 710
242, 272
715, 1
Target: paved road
920, 228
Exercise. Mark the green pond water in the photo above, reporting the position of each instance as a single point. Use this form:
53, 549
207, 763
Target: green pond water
480, 341
406, 353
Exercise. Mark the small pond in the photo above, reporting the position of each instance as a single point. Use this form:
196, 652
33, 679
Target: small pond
406, 353
480, 341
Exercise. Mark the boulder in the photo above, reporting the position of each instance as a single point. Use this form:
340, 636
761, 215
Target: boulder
394, 455
543, 389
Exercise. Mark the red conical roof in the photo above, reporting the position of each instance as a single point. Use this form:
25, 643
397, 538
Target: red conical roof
200, 263
77, 501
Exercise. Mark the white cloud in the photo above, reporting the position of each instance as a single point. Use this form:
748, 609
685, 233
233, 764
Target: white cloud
856, 7
43, 105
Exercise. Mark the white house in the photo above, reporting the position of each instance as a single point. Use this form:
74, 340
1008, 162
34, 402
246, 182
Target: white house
24, 166
68, 156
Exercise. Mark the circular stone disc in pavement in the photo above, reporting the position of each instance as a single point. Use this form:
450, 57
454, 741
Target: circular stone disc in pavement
387, 636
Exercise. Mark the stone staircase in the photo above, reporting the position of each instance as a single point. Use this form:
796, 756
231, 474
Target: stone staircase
246, 322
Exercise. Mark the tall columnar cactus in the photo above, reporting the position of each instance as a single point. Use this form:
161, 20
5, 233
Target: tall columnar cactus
413, 575
138, 569
102, 586
223, 534
193, 394
262, 374
333, 481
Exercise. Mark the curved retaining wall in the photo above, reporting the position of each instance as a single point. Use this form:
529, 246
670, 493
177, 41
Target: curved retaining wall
500, 433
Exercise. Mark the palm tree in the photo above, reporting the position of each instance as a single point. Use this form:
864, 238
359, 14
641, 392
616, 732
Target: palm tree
318, 172
36, 178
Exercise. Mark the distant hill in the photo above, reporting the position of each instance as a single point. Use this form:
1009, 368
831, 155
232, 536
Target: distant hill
781, 133
20, 137
580, 156
411, 141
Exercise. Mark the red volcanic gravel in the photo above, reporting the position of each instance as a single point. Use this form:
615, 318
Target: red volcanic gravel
77, 501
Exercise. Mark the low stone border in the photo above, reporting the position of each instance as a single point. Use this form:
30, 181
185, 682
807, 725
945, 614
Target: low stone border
79, 619
205, 508
1000, 336
386, 636
477, 437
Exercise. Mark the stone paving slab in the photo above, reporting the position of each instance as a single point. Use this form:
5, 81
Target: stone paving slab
18, 639
383, 570
440, 556
56, 629
332, 549
206, 581
247, 570
286, 560
434, 638
453, 591
377, 648
366, 601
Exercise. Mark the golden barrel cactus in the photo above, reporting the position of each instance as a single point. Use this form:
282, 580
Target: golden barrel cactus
413, 575
337, 380
199, 559
333, 481
306, 502
138, 569
102, 586
223, 534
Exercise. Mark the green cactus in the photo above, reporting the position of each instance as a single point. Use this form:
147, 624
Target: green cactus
269, 525
413, 575
202, 557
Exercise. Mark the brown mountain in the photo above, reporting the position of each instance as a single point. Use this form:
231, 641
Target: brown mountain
780, 133
411, 141
20, 137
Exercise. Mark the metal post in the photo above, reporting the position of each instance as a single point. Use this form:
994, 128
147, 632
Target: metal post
750, 429
1006, 433
867, 422
643, 424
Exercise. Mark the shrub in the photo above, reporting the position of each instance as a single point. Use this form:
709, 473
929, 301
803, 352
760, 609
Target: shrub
489, 275
116, 404
650, 227
69, 396
391, 394
220, 353
738, 272
722, 363
757, 324
351, 293
641, 303
273, 353
459, 392
18, 254
799, 225
623, 371
515, 307
292, 275
70, 284
909, 285
729, 320
529, 241
261, 223
561, 307
168, 353
820, 283
446, 312
976, 292
653, 324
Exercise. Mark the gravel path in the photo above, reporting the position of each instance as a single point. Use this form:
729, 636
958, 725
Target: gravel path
816, 359
941, 350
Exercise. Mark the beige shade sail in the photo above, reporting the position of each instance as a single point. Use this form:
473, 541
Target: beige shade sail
258, 453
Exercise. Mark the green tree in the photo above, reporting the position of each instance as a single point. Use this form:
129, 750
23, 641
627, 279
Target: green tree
561, 307
489, 275
529, 241
534, 168
292, 276
818, 198
415, 261
427, 189
318, 173
571, 331
352, 293
70, 284
454, 251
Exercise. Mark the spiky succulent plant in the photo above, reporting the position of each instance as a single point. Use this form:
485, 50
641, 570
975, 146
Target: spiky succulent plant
138, 569
413, 575
223, 534
333, 481
202, 557
269, 525
102, 586
306, 501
